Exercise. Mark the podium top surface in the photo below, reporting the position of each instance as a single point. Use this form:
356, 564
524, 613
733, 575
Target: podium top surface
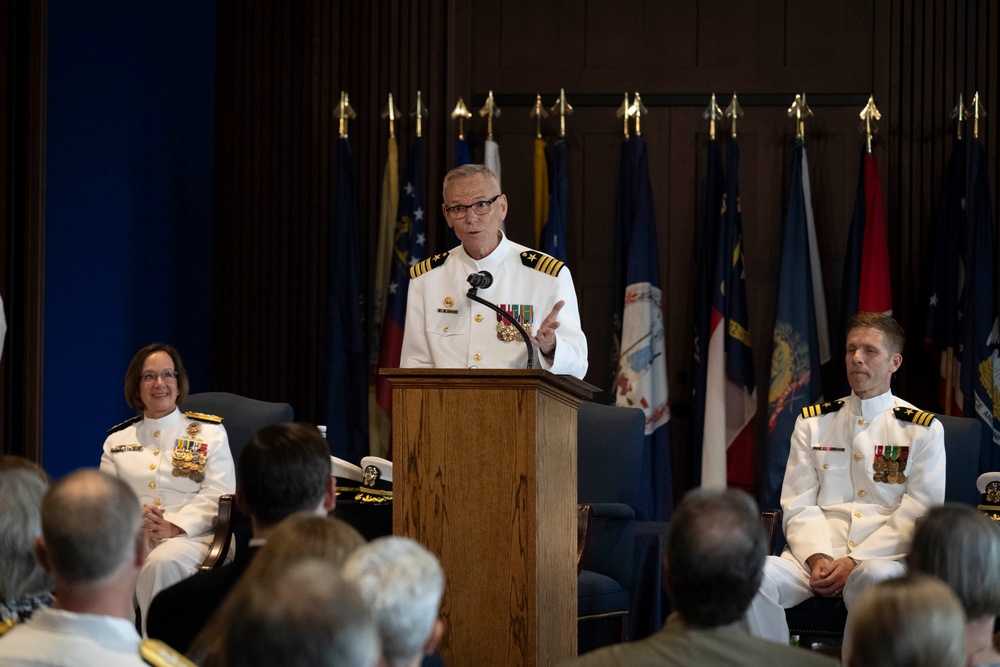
567, 383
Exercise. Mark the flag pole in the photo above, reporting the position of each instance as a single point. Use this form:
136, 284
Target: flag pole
733, 111
461, 113
419, 112
712, 113
539, 113
564, 110
638, 109
392, 113
978, 111
344, 112
960, 113
623, 113
800, 111
490, 111
869, 115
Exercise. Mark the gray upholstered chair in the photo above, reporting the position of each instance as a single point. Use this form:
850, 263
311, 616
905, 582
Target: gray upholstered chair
608, 465
242, 417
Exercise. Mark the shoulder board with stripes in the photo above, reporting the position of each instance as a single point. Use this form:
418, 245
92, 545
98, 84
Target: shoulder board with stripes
202, 417
542, 262
127, 422
822, 408
916, 416
428, 264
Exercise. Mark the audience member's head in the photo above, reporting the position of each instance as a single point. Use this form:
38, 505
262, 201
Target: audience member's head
11, 462
307, 617
284, 469
91, 527
715, 556
960, 546
402, 582
299, 537
914, 621
21, 492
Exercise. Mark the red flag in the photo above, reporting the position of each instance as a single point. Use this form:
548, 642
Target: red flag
875, 292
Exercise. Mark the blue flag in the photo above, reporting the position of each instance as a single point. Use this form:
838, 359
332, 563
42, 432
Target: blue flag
462, 156
795, 358
347, 373
980, 350
624, 217
642, 367
704, 292
554, 232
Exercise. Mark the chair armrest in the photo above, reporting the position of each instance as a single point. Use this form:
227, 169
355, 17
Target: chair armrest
219, 549
770, 521
610, 544
618, 511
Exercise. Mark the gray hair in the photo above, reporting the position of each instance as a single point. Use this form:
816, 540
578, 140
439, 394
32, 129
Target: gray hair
21, 492
914, 621
402, 582
961, 547
308, 617
91, 525
468, 171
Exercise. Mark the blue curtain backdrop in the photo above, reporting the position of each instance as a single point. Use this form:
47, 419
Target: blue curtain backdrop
129, 207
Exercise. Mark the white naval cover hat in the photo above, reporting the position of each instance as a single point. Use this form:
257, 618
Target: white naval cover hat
382, 466
345, 470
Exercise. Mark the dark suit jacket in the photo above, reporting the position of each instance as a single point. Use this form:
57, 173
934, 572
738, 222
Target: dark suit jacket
178, 613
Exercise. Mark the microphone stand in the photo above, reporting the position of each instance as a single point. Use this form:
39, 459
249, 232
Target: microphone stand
524, 334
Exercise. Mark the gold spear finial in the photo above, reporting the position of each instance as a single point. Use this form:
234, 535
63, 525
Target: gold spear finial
461, 112
344, 112
564, 109
960, 113
623, 112
800, 111
868, 116
490, 111
638, 109
391, 112
734, 111
538, 112
419, 112
712, 113
978, 111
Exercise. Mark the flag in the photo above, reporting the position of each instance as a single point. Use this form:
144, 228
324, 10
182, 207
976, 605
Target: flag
979, 354
347, 367
541, 189
554, 234
492, 161
731, 385
410, 247
942, 331
642, 368
624, 217
815, 268
704, 290
461, 157
378, 425
866, 284
795, 358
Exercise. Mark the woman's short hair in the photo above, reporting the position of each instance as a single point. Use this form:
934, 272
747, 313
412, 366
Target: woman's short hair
914, 621
960, 546
21, 492
133, 376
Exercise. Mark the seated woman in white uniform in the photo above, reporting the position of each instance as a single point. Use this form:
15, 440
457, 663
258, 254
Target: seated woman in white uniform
177, 463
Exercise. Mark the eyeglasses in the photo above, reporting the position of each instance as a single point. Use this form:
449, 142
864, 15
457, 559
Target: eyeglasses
480, 208
167, 376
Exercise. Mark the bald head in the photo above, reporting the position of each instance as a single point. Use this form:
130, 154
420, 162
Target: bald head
91, 525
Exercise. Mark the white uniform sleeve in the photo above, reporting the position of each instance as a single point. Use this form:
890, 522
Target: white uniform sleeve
803, 521
571, 343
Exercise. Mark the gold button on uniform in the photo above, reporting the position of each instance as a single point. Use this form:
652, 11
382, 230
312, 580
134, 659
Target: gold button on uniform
857, 456
478, 357
157, 502
152, 466
479, 318
825, 466
862, 493
862, 422
156, 451
446, 329
857, 515
152, 485
851, 544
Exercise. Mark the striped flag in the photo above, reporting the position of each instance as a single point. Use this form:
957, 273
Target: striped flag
795, 358
641, 380
731, 385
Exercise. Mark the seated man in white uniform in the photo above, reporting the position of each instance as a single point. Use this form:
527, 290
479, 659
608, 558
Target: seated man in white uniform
860, 471
446, 329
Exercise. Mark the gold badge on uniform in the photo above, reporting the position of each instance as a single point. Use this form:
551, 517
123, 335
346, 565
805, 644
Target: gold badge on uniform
523, 314
890, 464
448, 302
194, 428
189, 459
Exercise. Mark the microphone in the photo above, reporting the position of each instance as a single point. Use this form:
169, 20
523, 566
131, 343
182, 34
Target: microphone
484, 279
481, 280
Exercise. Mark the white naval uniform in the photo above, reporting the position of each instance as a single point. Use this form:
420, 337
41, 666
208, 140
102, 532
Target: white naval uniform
58, 638
446, 329
189, 505
832, 505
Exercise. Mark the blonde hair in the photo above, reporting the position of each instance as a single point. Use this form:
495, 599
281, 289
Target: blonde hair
915, 621
299, 537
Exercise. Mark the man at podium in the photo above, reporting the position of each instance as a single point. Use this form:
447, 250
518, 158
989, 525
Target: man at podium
446, 329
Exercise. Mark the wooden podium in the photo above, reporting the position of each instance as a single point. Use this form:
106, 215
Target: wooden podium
484, 475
